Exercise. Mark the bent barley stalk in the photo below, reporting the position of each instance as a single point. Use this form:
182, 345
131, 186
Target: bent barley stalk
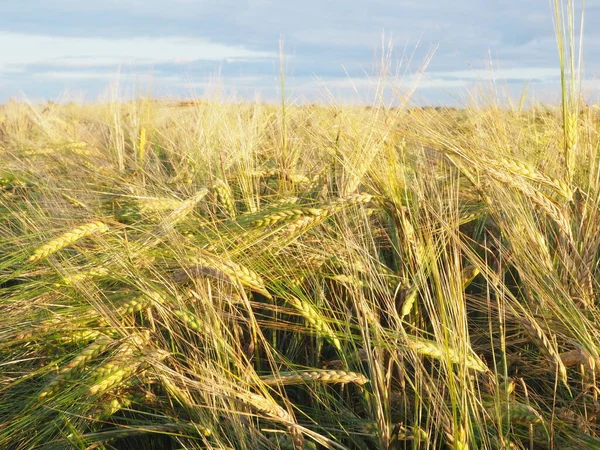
67, 239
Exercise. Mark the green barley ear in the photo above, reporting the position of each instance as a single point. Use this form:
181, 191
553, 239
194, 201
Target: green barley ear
570, 77
436, 351
313, 317
66, 373
409, 301
515, 412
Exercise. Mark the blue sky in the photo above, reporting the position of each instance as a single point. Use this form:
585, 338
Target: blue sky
76, 49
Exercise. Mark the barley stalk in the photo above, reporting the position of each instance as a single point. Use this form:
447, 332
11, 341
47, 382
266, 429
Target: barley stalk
141, 148
67, 239
571, 138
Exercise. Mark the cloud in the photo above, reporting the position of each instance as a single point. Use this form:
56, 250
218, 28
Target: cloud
73, 43
24, 49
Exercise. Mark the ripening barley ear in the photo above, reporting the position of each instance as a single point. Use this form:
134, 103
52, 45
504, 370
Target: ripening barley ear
437, 351
271, 409
537, 334
67, 372
247, 277
224, 197
316, 376
313, 317
517, 413
67, 239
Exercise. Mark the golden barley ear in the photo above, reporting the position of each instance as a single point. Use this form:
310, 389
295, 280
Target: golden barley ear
316, 376
67, 239
224, 197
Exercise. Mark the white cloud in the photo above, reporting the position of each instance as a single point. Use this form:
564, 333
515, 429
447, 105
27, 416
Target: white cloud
22, 49
440, 80
514, 73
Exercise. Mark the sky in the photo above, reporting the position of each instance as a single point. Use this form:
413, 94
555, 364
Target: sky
434, 52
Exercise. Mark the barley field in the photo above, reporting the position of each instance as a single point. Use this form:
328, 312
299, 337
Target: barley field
243, 276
